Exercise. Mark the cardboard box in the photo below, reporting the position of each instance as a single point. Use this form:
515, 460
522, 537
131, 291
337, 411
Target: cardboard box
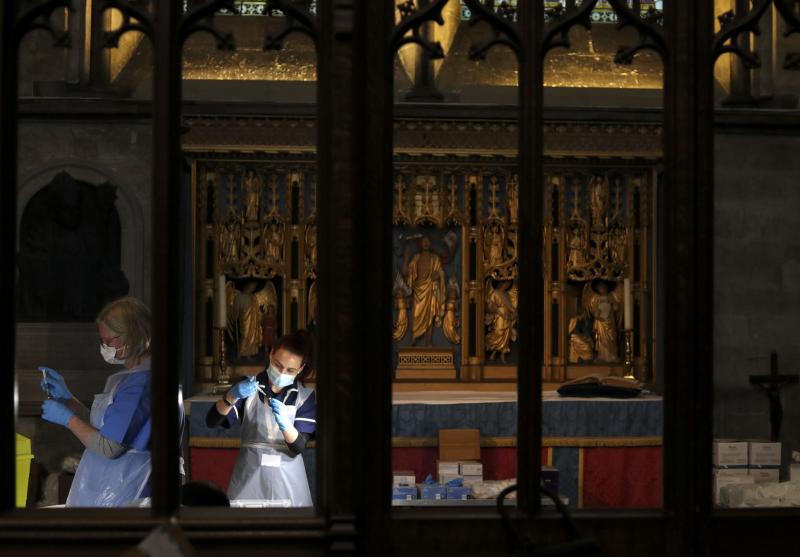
444, 467
462, 493
433, 491
404, 493
550, 478
728, 453
761, 475
794, 472
471, 469
403, 477
459, 444
472, 479
730, 472
762, 454
724, 478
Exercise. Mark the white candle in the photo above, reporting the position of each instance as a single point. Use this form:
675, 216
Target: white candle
628, 301
220, 309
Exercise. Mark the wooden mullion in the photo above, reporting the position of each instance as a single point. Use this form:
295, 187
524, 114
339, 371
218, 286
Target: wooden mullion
166, 267
688, 341
9, 63
339, 431
530, 281
376, 97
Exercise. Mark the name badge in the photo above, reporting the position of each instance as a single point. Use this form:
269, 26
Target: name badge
272, 460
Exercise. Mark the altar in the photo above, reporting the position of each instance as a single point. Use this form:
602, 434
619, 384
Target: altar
608, 451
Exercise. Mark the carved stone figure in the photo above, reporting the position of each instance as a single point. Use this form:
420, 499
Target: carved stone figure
512, 199
618, 240
273, 242
311, 249
581, 344
401, 292
251, 186
501, 318
69, 256
493, 245
450, 323
598, 192
246, 311
604, 307
578, 242
229, 240
425, 277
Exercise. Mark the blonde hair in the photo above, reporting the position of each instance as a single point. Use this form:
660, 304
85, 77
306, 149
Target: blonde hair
132, 321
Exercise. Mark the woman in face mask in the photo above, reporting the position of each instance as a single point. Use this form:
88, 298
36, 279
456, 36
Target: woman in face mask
277, 413
115, 466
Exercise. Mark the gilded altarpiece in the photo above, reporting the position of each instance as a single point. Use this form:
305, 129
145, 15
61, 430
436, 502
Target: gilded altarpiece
256, 238
455, 279
598, 234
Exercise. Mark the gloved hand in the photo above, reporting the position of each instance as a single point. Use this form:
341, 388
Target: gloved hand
244, 389
54, 385
279, 411
56, 412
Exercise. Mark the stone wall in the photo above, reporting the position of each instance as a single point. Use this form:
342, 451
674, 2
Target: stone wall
756, 280
94, 151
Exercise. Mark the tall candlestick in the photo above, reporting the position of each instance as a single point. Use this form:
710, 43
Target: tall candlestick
220, 309
628, 301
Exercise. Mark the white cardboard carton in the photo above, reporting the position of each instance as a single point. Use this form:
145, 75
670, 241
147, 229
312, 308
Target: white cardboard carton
471, 469
761, 475
403, 478
763, 453
723, 478
729, 452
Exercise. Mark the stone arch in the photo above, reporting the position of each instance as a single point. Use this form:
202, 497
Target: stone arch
134, 235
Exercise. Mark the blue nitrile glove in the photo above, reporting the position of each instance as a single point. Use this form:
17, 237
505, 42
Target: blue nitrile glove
428, 480
54, 384
279, 410
245, 388
455, 482
56, 412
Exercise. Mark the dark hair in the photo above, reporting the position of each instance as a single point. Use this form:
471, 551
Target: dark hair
300, 343
203, 494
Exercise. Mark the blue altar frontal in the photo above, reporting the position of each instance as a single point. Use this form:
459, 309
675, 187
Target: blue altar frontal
573, 430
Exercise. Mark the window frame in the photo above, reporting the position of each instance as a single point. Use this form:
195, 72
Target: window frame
355, 108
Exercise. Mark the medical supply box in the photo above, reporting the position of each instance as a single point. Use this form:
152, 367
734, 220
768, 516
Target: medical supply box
763, 454
433, 491
456, 445
729, 453
403, 477
462, 493
404, 493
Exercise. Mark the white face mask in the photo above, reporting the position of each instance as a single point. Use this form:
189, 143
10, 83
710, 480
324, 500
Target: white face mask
279, 379
109, 354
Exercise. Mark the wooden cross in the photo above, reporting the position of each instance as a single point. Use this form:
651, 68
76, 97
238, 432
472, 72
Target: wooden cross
771, 385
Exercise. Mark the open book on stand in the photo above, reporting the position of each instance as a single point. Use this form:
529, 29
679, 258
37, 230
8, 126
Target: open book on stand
597, 385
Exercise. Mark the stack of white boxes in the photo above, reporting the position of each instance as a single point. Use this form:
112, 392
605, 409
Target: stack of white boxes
471, 471
446, 471
764, 461
730, 464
